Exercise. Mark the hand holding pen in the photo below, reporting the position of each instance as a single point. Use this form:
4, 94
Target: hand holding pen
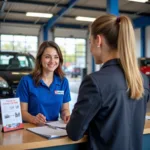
39, 119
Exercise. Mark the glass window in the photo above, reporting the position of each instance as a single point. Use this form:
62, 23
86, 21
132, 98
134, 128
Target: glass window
6, 37
80, 41
73, 51
4, 59
31, 39
30, 46
61, 41
31, 62
70, 45
6, 46
23, 61
19, 38
19, 46
19, 43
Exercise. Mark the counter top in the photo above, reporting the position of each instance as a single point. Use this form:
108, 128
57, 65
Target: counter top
23, 139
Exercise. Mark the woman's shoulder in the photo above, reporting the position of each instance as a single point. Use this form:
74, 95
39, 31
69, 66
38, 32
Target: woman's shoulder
26, 80
65, 79
27, 77
61, 79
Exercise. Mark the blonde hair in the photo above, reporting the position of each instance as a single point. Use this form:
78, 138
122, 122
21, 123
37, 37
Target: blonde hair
119, 34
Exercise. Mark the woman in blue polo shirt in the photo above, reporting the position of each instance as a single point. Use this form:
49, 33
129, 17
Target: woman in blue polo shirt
45, 92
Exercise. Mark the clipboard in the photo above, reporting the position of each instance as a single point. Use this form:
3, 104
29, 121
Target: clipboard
48, 132
56, 124
52, 129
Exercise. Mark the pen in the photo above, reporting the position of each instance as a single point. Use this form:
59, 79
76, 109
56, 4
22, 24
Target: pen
54, 127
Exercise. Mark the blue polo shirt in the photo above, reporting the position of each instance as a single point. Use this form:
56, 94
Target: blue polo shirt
43, 99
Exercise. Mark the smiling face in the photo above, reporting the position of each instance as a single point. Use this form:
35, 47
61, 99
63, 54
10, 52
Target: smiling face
50, 59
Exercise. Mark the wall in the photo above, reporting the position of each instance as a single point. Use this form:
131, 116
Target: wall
147, 41
138, 42
41, 34
76, 33
6, 28
89, 56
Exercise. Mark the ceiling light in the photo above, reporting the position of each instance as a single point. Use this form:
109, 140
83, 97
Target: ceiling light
90, 19
43, 15
141, 1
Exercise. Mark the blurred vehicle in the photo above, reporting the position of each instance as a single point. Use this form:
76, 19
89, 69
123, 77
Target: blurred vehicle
76, 71
13, 65
73, 71
68, 70
144, 64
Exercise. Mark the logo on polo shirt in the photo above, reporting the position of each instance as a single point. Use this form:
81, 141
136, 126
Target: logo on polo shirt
59, 92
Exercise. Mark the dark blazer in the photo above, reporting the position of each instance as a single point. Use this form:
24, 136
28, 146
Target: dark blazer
112, 120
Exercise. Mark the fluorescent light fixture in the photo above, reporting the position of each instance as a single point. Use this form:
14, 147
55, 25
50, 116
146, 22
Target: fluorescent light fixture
42, 15
141, 1
90, 19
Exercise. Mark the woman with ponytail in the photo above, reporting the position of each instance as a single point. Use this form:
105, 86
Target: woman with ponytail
111, 104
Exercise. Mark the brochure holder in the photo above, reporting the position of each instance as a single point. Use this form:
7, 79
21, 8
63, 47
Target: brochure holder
11, 114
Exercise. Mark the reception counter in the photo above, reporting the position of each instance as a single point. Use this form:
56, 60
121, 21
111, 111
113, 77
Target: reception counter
23, 139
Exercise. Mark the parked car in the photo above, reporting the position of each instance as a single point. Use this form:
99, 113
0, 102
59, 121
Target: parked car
76, 71
13, 65
73, 71
144, 64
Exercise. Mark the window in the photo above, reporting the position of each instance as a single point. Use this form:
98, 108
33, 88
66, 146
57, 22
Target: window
73, 51
23, 61
4, 59
19, 43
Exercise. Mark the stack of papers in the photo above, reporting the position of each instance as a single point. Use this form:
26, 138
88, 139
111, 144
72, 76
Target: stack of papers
147, 117
50, 130
56, 124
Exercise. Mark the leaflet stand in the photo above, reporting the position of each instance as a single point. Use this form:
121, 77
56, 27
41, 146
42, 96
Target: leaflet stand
11, 114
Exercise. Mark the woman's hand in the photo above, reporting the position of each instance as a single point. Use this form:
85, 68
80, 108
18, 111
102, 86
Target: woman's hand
65, 115
39, 119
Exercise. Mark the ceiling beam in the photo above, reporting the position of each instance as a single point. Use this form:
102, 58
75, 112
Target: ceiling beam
67, 16
141, 22
59, 25
21, 22
54, 19
3, 7
71, 26
24, 13
75, 6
